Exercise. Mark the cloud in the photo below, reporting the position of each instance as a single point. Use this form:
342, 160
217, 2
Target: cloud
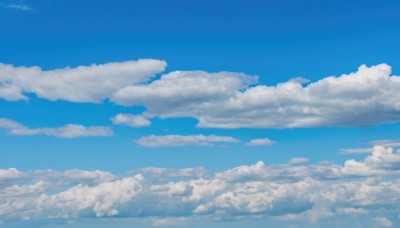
183, 140
90, 84
301, 193
366, 97
356, 151
384, 222
260, 142
386, 142
12, 127
16, 4
131, 120
297, 161
226, 100
173, 173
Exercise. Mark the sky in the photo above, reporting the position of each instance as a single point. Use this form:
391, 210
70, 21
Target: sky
186, 113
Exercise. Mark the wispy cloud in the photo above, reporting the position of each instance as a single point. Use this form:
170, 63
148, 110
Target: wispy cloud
183, 140
16, 4
386, 142
356, 151
68, 131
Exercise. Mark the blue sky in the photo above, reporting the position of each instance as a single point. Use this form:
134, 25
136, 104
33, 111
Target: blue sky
198, 88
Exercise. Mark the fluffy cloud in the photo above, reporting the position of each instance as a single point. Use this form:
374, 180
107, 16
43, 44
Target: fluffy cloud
369, 96
261, 142
226, 100
301, 193
131, 120
68, 131
183, 140
81, 84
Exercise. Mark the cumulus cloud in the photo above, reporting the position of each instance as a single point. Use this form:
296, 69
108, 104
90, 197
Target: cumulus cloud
260, 142
131, 120
12, 127
81, 84
301, 193
183, 140
369, 96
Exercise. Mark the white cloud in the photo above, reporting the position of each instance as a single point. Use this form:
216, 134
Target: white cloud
81, 84
386, 142
183, 140
131, 120
172, 173
171, 221
297, 161
291, 193
356, 151
16, 4
260, 142
384, 222
369, 96
226, 100
68, 131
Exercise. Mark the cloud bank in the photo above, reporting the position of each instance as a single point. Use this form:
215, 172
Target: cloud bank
369, 96
288, 192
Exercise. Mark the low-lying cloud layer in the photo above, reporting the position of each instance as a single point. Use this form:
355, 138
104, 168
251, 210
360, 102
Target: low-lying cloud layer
369, 96
288, 192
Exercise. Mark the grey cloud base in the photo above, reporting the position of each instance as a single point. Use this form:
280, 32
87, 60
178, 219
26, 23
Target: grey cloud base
369, 96
291, 192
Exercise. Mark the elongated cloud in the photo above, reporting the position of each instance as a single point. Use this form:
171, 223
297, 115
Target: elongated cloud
131, 120
81, 84
183, 140
261, 142
68, 131
369, 96
289, 192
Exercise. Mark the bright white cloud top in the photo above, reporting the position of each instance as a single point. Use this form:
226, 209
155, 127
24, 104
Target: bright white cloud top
290, 192
369, 96
12, 127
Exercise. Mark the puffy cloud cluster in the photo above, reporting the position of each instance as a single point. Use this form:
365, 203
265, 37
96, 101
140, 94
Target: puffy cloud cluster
369, 96
226, 100
68, 131
288, 192
183, 140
